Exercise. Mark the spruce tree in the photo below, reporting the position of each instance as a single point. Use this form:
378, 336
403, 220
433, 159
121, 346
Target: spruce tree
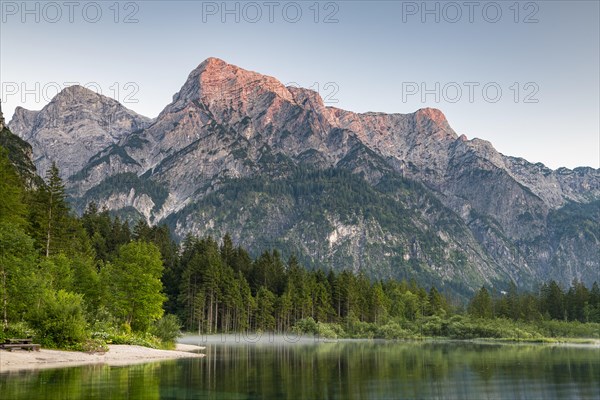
49, 214
481, 304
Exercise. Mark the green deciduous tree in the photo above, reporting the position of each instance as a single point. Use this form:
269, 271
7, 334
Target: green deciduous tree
133, 282
19, 281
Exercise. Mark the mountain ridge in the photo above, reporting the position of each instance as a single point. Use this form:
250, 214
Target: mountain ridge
228, 125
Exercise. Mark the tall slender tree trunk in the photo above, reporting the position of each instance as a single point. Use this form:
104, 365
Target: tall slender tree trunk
49, 227
210, 313
4, 298
216, 315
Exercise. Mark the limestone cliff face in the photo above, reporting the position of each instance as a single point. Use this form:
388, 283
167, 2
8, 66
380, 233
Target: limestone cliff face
229, 125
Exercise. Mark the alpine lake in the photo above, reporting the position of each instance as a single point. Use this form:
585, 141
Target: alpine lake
279, 367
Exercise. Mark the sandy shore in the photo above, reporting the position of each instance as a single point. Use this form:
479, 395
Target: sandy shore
117, 355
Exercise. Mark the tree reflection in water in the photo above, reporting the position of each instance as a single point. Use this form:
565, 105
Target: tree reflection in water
340, 370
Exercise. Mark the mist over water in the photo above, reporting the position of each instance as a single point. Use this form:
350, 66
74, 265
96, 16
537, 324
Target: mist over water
273, 367
264, 338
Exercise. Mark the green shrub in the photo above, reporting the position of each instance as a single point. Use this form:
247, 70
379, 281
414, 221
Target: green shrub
136, 339
167, 329
305, 326
433, 326
392, 331
326, 331
360, 329
339, 331
59, 321
575, 329
91, 346
16, 330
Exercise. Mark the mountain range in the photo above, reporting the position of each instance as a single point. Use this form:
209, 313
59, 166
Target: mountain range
392, 195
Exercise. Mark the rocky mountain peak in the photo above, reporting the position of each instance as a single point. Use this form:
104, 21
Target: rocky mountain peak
23, 121
433, 114
102, 108
74, 126
78, 93
434, 121
219, 84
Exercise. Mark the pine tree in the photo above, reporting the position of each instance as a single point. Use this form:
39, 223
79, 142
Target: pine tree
436, 304
49, 215
379, 303
227, 250
553, 301
480, 305
595, 303
57, 210
265, 305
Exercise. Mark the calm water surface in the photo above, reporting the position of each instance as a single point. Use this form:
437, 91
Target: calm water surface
342, 370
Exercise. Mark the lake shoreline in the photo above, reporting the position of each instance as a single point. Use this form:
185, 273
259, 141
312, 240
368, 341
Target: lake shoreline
190, 345
118, 355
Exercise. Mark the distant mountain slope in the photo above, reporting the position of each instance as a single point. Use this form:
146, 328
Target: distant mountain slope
391, 194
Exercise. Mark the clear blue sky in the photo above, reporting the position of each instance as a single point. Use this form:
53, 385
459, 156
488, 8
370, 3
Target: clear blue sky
376, 56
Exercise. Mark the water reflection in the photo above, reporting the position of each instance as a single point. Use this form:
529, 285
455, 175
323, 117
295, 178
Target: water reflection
342, 370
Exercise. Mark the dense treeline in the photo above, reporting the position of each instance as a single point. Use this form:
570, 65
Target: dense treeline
578, 303
80, 282
223, 290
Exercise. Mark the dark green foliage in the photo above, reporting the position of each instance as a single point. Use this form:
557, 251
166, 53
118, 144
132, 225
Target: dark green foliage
12, 209
436, 304
106, 234
481, 304
18, 152
553, 300
266, 295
